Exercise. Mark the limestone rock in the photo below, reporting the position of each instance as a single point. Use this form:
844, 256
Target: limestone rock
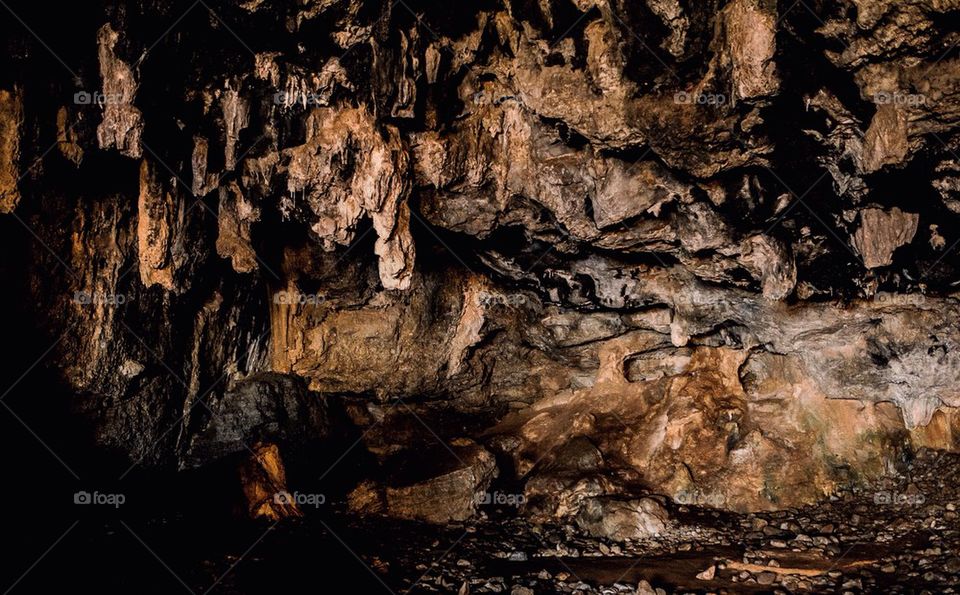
158, 219
266, 407
11, 123
885, 142
770, 263
750, 33
235, 217
122, 123
348, 169
264, 481
606, 240
450, 496
203, 181
620, 520
881, 233
629, 191
236, 116
68, 140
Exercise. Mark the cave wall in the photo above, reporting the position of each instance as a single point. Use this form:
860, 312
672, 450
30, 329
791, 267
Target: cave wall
715, 239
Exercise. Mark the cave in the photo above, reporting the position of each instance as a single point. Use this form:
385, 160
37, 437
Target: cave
521, 297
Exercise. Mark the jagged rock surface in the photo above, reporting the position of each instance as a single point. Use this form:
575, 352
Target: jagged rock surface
714, 240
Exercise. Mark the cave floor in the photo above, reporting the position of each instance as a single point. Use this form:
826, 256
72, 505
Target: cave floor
901, 535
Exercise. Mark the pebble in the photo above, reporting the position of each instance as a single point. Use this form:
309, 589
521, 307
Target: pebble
766, 578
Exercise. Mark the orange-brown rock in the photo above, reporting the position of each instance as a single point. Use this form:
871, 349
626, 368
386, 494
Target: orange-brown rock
122, 123
235, 217
158, 214
347, 169
881, 233
11, 125
264, 482
446, 486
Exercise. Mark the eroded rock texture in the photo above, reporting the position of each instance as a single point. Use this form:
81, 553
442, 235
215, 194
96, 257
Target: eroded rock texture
700, 250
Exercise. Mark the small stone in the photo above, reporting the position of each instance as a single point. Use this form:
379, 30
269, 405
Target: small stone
708, 574
766, 578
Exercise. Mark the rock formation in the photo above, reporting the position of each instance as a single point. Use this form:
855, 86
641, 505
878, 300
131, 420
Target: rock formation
696, 251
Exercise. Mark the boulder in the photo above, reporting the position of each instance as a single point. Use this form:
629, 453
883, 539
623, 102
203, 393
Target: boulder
264, 481
620, 520
442, 486
268, 406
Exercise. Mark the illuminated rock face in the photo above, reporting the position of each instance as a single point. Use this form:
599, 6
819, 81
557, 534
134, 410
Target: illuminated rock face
11, 124
698, 251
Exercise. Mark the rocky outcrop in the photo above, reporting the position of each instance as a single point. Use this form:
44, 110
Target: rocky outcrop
11, 122
622, 520
236, 216
264, 481
881, 233
347, 170
159, 216
704, 251
447, 487
122, 123
266, 408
